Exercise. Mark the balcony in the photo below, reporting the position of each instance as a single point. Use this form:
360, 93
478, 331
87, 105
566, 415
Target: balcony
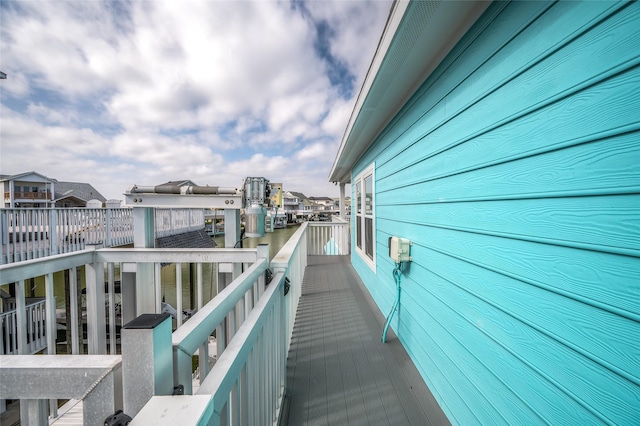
302, 347
28, 196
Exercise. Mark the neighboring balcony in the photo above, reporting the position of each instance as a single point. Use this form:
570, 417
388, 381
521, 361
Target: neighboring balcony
28, 196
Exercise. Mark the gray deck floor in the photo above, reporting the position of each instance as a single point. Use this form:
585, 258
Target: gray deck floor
338, 371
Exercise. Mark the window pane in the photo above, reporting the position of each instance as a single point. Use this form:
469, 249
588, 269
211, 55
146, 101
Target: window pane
368, 236
359, 231
368, 189
359, 197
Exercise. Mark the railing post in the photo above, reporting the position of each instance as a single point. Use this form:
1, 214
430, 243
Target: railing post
103, 398
51, 325
108, 238
262, 252
96, 325
4, 235
53, 232
147, 360
21, 318
34, 412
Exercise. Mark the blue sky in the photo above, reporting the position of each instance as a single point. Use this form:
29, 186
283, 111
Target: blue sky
118, 93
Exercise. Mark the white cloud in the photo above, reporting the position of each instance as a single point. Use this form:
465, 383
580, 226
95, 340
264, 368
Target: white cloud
116, 93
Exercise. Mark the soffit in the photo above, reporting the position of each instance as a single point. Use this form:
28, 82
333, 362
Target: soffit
418, 36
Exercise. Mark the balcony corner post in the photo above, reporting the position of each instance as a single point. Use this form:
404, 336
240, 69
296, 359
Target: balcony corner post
147, 360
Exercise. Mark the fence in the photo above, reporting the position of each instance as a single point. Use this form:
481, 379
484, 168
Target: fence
34, 233
175, 221
36, 329
329, 238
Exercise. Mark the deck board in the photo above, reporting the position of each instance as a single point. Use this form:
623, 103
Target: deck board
338, 371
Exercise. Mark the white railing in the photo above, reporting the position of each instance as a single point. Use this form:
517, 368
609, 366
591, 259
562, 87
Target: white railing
247, 383
253, 321
34, 233
329, 239
233, 303
176, 221
36, 330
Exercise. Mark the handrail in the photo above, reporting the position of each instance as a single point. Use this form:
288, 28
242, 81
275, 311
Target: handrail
228, 371
190, 336
194, 333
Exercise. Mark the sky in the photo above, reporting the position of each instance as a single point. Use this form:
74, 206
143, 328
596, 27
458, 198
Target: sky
117, 93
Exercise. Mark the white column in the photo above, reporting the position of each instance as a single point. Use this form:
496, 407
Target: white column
52, 329
343, 208
144, 229
96, 324
21, 318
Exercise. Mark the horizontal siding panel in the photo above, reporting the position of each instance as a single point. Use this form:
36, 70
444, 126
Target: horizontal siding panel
587, 116
502, 80
568, 171
465, 373
517, 18
570, 320
482, 359
514, 171
568, 385
578, 274
583, 222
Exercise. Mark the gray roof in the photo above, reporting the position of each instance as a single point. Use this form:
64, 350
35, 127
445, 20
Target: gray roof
82, 191
19, 175
179, 183
298, 194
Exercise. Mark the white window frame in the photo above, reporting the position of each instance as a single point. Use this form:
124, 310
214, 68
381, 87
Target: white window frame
359, 182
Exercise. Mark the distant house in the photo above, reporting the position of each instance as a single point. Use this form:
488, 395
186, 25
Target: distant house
27, 190
503, 140
77, 194
33, 190
323, 203
296, 205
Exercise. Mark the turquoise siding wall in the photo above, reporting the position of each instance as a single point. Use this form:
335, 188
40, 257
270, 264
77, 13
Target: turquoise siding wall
515, 171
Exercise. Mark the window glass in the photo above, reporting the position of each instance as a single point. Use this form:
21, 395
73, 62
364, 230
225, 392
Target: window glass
368, 195
364, 209
368, 236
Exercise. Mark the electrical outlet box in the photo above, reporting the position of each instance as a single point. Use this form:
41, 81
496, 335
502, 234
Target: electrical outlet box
399, 249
